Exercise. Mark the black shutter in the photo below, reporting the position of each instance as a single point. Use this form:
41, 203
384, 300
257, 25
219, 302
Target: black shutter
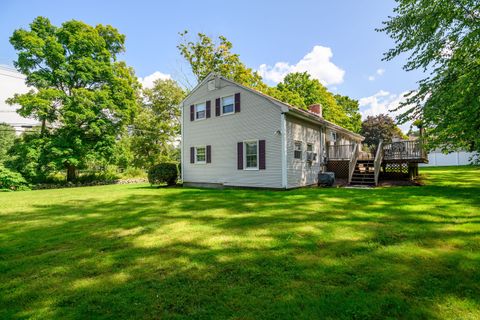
237, 102
192, 112
209, 154
261, 155
240, 156
208, 108
217, 107
192, 154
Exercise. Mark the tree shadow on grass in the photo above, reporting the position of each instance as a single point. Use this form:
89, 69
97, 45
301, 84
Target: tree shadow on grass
195, 253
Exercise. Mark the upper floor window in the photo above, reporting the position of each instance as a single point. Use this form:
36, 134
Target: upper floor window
228, 105
200, 155
200, 111
251, 155
309, 147
297, 150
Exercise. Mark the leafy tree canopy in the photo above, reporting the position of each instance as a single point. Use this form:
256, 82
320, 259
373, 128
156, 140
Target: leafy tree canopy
7, 138
380, 127
442, 37
157, 126
300, 90
205, 56
84, 97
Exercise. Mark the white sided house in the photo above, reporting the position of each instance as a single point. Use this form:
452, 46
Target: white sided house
236, 136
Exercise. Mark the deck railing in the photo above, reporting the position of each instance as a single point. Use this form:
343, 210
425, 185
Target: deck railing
378, 161
404, 150
340, 152
353, 161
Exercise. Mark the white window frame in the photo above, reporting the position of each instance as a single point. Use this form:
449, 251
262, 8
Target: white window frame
221, 105
245, 155
295, 142
334, 136
205, 116
201, 162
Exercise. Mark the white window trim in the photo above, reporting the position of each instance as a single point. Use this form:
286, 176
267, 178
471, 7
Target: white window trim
245, 155
221, 105
301, 150
195, 111
201, 162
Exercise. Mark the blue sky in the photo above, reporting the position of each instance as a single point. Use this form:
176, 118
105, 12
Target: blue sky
335, 41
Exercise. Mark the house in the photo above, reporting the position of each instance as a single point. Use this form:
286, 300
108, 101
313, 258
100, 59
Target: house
236, 136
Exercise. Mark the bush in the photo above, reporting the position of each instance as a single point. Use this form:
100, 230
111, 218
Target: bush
166, 172
133, 173
11, 180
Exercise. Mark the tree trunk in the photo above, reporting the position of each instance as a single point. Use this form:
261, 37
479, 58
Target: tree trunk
71, 173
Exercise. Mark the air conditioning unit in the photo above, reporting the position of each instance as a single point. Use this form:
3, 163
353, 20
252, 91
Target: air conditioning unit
311, 156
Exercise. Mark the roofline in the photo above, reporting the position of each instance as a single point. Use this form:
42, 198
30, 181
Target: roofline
285, 107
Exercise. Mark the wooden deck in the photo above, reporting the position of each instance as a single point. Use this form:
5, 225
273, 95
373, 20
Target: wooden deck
404, 151
398, 159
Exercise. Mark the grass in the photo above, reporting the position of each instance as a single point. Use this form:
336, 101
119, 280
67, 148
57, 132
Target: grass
131, 251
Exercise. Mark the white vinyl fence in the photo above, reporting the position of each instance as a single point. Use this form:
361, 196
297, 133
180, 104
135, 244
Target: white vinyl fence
437, 158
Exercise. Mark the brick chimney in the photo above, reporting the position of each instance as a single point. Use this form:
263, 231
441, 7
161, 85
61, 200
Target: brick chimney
316, 108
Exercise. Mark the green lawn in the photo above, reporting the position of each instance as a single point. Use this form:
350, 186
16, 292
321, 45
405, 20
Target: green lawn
131, 251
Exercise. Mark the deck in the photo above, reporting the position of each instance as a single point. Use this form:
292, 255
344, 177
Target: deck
395, 160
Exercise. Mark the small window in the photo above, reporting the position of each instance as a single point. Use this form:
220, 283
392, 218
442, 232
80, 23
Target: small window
251, 155
200, 155
297, 151
309, 147
334, 136
228, 105
200, 111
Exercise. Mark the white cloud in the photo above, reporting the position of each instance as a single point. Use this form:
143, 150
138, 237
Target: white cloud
147, 82
383, 102
317, 63
378, 73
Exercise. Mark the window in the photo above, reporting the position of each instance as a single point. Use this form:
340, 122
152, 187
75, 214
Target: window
200, 155
200, 111
251, 155
334, 136
311, 156
228, 105
297, 150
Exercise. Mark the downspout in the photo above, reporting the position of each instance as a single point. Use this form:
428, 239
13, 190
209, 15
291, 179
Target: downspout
181, 144
283, 124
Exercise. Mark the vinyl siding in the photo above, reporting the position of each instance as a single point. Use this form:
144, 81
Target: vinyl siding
300, 172
258, 119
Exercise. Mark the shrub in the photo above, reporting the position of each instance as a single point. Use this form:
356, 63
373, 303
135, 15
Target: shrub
166, 172
133, 173
11, 180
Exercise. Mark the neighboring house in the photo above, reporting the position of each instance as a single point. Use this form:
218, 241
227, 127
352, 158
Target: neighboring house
12, 82
236, 136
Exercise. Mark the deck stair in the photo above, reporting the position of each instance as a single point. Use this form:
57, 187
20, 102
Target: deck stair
364, 173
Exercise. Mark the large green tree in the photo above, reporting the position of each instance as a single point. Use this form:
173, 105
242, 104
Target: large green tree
352, 110
205, 55
441, 37
301, 90
380, 127
7, 137
83, 95
157, 127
